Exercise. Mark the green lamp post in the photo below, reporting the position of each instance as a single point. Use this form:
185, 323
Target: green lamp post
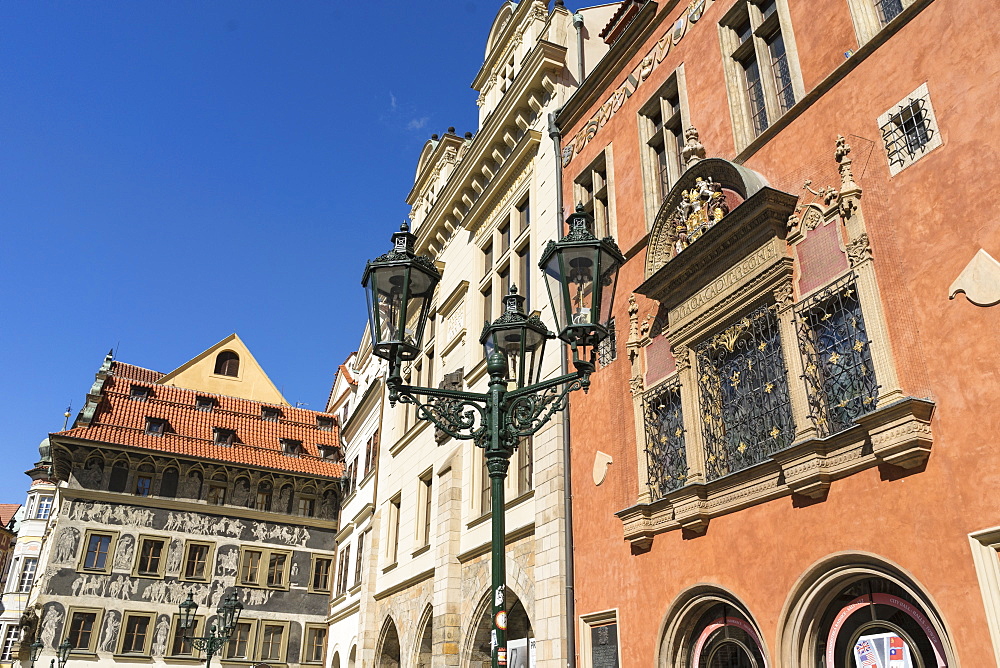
581, 273
35, 651
218, 635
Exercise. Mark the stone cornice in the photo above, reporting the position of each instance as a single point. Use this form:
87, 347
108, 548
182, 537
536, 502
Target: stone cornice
405, 584
496, 137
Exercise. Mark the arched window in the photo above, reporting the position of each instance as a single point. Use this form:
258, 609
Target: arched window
708, 628
168, 485
388, 655
119, 477
227, 364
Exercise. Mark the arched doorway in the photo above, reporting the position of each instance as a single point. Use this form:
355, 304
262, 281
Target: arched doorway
388, 653
851, 609
519, 634
707, 627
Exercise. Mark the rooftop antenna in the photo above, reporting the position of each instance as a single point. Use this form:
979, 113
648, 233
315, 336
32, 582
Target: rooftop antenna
300, 404
69, 410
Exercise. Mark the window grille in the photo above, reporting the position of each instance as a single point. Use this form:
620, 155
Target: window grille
666, 458
743, 387
888, 10
839, 373
755, 96
607, 350
908, 132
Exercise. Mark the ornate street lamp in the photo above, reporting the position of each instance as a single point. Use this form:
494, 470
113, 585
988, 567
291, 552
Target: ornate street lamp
582, 272
218, 635
35, 651
62, 653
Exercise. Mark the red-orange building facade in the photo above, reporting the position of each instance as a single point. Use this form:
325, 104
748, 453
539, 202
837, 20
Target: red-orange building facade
792, 460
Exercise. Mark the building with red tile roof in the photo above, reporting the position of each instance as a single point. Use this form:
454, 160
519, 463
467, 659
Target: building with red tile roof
203, 481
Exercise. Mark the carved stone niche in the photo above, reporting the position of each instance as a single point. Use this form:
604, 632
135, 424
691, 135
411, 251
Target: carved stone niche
452, 381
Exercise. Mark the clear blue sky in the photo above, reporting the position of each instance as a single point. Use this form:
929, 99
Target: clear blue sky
172, 172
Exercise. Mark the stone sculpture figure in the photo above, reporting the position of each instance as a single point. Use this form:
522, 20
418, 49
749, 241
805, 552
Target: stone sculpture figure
52, 621
29, 626
700, 208
111, 626
160, 639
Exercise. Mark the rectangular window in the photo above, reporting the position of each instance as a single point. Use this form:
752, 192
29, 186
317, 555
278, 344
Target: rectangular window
136, 633
524, 271
264, 497
324, 423
315, 645
155, 426
82, 630
143, 485
179, 646
371, 453
486, 498
743, 388
238, 646
11, 635
97, 556
250, 570
761, 75
359, 563
909, 130
321, 573
666, 456
270, 413
607, 350
392, 544
205, 404
307, 507
662, 132
151, 557
523, 215
593, 191
27, 577
488, 303
888, 10
525, 465
140, 393
290, 446
488, 258
427, 495
44, 508
504, 238
196, 559
342, 565
277, 567
216, 495
839, 371
272, 642
504, 276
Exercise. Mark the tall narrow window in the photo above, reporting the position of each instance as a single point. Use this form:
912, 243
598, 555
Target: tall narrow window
264, 495
27, 577
143, 485
358, 564
271, 643
227, 363
488, 258
168, 484
315, 644
179, 645
81, 630
427, 495
250, 570
593, 191
662, 130
239, 642
524, 271
44, 508
371, 453
11, 635
525, 465
276, 567
393, 543
321, 574
136, 633
342, 565
486, 499
196, 561
523, 215
488, 303
761, 75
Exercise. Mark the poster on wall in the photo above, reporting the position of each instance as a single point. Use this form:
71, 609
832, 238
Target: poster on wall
882, 650
521, 653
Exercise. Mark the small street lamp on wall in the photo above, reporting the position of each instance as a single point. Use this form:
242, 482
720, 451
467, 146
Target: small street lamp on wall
581, 273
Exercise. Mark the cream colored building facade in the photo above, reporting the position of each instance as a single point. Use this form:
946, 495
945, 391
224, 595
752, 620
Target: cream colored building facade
483, 207
357, 399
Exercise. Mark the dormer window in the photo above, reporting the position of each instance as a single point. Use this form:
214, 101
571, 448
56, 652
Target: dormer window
141, 392
330, 451
206, 404
291, 447
324, 423
226, 437
270, 413
156, 426
227, 364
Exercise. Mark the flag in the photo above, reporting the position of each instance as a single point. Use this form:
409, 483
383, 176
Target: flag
897, 656
866, 654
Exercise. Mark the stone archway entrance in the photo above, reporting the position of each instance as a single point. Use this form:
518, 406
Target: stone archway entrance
519, 635
388, 655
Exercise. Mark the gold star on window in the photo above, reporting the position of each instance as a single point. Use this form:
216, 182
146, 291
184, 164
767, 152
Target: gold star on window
834, 358
858, 346
775, 432
811, 368
735, 379
663, 439
708, 418
826, 316
711, 459
769, 387
868, 400
678, 432
741, 447
763, 344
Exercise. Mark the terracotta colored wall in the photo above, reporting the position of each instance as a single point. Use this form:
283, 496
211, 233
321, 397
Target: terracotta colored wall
925, 225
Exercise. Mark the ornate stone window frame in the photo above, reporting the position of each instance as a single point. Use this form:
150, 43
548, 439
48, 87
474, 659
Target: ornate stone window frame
747, 258
676, 83
592, 621
986, 557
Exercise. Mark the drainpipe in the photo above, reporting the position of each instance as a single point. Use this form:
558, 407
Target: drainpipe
556, 134
578, 24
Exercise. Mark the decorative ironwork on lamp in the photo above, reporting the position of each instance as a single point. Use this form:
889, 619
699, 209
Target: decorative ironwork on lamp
519, 338
228, 616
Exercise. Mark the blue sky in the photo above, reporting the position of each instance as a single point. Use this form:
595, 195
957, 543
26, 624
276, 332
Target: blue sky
172, 172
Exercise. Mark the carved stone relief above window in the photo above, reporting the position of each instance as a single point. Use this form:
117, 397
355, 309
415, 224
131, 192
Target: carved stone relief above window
779, 385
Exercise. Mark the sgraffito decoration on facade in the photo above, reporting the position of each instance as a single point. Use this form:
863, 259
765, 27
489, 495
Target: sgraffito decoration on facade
672, 36
700, 208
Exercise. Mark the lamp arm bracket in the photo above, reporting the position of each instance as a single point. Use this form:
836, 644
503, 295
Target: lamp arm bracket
532, 407
461, 415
